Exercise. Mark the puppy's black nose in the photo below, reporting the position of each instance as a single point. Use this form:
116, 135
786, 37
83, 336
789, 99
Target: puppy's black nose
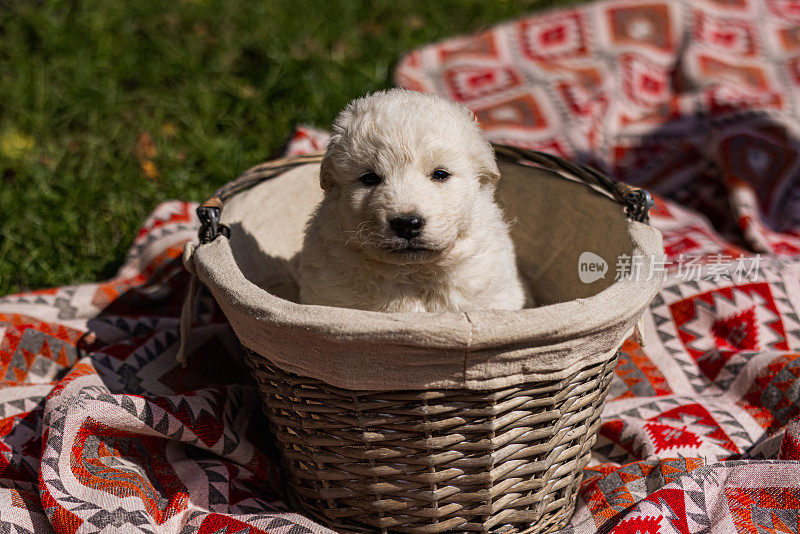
407, 226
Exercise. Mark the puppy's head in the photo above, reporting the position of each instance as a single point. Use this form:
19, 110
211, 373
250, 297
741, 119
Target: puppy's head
404, 171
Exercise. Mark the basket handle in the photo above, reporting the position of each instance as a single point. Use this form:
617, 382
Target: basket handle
210, 211
636, 202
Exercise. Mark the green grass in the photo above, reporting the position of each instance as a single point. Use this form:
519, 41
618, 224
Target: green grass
216, 84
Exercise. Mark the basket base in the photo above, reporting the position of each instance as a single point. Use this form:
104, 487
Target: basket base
506, 461
549, 523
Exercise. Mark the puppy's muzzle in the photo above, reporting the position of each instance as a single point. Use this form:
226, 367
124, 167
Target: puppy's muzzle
407, 226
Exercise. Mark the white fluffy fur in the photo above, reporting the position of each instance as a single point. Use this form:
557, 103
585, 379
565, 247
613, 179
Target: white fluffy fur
351, 257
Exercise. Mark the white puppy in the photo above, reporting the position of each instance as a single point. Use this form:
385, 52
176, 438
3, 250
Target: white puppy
408, 220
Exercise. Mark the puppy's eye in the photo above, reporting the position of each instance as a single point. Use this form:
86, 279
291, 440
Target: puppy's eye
371, 178
440, 175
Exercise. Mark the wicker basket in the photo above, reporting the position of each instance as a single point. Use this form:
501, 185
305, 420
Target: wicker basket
435, 461
467, 447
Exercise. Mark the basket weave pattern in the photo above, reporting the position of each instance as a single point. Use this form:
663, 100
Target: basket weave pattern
505, 460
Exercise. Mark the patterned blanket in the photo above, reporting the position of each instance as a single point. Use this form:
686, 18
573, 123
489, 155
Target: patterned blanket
697, 100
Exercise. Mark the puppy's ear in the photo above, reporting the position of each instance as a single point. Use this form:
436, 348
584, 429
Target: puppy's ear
489, 174
326, 179
485, 158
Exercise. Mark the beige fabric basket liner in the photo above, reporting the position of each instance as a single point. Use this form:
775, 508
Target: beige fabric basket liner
554, 220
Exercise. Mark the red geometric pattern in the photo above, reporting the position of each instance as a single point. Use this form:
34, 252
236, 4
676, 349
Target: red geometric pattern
773, 399
31, 346
647, 84
716, 325
172, 214
521, 112
738, 331
640, 376
484, 47
682, 430
643, 24
583, 96
554, 37
629, 483
779, 504
684, 418
666, 437
469, 83
125, 464
221, 524
730, 35
790, 446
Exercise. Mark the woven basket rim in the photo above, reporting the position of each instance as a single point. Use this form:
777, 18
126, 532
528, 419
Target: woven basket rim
216, 266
